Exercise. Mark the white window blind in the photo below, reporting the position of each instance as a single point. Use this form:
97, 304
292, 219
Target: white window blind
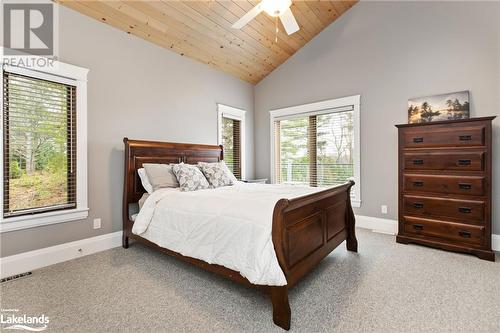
315, 150
39, 145
334, 148
317, 144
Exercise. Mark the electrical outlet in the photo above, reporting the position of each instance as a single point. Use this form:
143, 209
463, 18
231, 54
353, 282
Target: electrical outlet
383, 209
97, 223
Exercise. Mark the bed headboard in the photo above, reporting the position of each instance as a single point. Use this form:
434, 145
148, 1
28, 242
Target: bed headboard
138, 152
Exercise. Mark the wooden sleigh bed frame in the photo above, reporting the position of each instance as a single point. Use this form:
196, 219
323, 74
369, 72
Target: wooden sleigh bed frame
305, 229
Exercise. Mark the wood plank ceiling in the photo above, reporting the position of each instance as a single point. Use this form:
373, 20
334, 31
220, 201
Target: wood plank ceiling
201, 30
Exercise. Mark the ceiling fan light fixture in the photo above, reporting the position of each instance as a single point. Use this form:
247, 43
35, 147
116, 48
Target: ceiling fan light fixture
275, 7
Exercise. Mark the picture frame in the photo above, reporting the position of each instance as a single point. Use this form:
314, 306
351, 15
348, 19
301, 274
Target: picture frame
450, 106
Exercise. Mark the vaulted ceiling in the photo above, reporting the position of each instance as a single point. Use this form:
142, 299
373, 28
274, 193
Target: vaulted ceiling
201, 30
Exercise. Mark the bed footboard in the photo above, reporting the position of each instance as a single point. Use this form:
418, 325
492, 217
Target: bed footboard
305, 230
308, 228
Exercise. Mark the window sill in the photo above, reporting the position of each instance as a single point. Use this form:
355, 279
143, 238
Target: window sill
37, 220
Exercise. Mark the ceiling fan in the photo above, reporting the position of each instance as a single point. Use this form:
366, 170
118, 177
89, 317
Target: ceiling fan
275, 8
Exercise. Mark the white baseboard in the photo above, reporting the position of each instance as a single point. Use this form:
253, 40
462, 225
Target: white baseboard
31, 260
495, 242
387, 226
377, 224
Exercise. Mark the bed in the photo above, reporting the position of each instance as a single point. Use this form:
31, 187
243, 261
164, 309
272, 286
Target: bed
303, 229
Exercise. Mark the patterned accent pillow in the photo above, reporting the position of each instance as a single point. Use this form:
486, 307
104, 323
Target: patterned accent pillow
217, 173
190, 177
231, 175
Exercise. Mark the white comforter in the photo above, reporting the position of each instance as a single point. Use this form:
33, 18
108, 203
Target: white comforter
229, 226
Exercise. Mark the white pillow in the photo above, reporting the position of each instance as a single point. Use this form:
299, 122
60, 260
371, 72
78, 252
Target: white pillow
144, 180
160, 175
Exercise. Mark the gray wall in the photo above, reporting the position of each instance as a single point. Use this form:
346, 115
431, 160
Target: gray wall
137, 90
389, 52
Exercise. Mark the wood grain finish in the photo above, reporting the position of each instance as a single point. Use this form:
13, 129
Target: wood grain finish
304, 237
460, 209
460, 185
465, 233
444, 160
467, 137
304, 229
333, 218
201, 30
445, 174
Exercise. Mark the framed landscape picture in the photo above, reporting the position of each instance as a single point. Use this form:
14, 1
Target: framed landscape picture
450, 106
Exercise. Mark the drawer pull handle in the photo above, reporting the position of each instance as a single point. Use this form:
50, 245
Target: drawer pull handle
418, 140
418, 162
465, 137
418, 184
464, 186
418, 227
418, 205
463, 162
465, 210
464, 234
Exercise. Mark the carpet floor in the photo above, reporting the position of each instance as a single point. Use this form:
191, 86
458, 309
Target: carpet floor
386, 287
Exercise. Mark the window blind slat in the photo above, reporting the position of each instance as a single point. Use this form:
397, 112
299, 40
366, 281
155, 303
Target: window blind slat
39, 145
315, 150
231, 141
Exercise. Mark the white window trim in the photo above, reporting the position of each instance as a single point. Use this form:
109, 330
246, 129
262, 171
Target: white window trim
236, 114
68, 74
318, 108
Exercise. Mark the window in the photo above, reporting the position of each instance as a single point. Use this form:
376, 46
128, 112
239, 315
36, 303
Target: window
231, 144
231, 137
317, 144
44, 147
40, 145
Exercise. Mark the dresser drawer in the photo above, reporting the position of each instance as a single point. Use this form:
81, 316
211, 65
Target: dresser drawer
456, 137
465, 233
446, 160
466, 185
466, 210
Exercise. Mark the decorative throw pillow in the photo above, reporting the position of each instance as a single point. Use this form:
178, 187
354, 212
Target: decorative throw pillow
190, 177
160, 175
217, 173
231, 175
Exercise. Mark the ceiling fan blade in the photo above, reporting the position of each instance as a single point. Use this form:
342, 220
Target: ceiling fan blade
289, 22
247, 17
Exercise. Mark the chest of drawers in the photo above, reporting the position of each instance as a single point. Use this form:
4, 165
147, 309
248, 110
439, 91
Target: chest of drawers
445, 174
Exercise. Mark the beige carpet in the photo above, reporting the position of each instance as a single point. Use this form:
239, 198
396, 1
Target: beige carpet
387, 287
